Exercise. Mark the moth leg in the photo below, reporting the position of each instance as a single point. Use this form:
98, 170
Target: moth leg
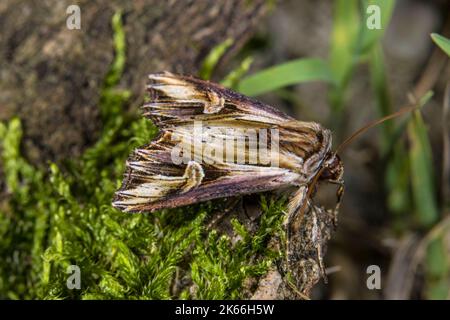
292, 223
308, 228
339, 196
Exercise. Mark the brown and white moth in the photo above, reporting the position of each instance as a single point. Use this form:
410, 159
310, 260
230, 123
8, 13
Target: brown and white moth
154, 180
184, 165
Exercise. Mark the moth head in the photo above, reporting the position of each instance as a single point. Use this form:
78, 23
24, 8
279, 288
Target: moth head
333, 169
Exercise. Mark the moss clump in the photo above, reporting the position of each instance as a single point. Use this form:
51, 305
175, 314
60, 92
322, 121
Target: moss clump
53, 220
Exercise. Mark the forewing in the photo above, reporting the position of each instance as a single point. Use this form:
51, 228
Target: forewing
178, 101
153, 182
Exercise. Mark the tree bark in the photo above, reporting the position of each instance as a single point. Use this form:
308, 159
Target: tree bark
51, 76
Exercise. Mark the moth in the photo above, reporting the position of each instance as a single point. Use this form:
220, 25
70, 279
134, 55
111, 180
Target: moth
228, 155
153, 180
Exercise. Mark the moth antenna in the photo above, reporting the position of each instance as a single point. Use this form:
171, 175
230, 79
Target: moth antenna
373, 124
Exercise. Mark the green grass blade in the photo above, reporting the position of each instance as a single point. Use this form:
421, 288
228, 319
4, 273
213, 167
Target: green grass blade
380, 87
233, 79
213, 58
118, 65
346, 23
351, 40
397, 164
292, 72
437, 270
442, 42
422, 178
370, 37
425, 204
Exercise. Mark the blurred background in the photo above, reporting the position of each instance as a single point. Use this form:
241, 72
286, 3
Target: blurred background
69, 100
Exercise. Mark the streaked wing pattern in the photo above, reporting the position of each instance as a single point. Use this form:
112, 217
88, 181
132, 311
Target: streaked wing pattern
154, 181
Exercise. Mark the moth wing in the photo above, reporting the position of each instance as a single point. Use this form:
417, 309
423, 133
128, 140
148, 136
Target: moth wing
176, 99
153, 181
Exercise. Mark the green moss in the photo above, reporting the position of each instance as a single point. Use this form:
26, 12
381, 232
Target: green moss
60, 219
218, 268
